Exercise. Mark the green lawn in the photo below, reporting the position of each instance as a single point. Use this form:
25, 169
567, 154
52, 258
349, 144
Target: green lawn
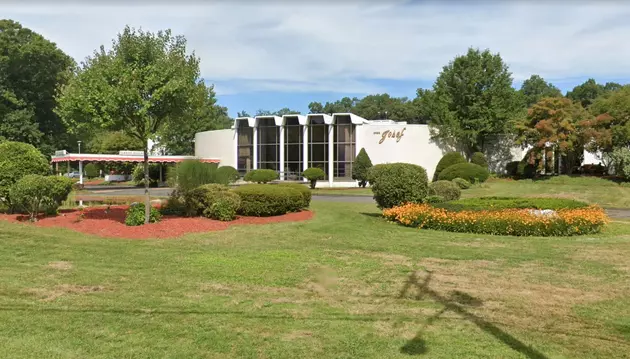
343, 191
593, 190
344, 285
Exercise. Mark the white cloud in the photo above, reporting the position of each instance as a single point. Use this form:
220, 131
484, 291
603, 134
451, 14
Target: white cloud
328, 47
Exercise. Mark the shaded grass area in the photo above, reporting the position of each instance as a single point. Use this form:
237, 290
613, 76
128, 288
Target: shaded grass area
346, 284
343, 191
600, 191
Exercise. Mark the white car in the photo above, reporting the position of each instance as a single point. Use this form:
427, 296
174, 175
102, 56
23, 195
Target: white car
74, 174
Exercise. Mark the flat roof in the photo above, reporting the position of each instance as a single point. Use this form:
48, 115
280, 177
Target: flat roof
95, 157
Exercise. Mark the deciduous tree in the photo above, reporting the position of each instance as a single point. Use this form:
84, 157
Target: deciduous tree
535, 88
144, 81
609, 128
471, 99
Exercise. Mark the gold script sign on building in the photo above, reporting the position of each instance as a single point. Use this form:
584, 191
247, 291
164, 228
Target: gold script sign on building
392, 134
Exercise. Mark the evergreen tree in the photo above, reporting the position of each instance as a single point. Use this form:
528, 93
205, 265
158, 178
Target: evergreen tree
360, 167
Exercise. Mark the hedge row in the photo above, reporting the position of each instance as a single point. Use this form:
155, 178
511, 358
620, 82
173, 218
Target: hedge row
516, 222
500, 203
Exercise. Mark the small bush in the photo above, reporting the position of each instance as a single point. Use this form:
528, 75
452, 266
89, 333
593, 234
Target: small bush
445, 189
31, 194
268, 200
91, 171
227, 175
511, 168
462, 183
154, 174
135, 215
360, 168
469, 171
202, 197
59, 189
261, 176
397, 183
434, 199
16, 161
306, 193
449, 159
314, 174
515, 222
500, 203
224, 206
479, 159
525, 170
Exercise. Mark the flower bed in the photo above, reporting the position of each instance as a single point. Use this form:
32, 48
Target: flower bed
513, 221
499, 203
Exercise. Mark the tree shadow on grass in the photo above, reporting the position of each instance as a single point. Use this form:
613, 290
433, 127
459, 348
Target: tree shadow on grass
456, 302
372, 214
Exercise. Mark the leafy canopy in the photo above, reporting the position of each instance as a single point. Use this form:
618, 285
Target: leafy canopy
471, 99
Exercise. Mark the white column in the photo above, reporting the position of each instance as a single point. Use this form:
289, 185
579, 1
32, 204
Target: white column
81, 172
235, 144
304, 149
331, 154
255, 159
357, 140
281, 153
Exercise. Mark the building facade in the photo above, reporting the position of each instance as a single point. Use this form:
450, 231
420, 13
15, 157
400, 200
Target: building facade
292, 143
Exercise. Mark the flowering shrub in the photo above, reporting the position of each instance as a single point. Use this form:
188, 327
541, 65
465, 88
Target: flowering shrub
515, 222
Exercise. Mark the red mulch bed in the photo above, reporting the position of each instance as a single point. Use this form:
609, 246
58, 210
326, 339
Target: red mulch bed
98, 221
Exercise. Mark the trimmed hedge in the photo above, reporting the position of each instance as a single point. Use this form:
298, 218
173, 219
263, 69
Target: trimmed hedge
227, 174
261, 176
261, 200
469, 171
434, 199
91, 171
36, 193
445, 189
500, 203
449, 159
479, 159
224, 206
515, 222
462, 183
202, 197
396, 183
314, 174
305, 191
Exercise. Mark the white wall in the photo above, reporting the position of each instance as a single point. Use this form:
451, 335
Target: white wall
414, 146
219, 144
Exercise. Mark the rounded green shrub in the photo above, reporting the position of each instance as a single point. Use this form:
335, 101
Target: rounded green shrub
224, 206
394, 184
268, 200
305, 191
445, 189
227, 174
449, 159
314, 174
360, 168
174, 206
17, 160
91, 171
462, 183
30, 194
434, 199
202, 197
135, 215
261, 176
469, 171
525, 170
479, 159
59, 189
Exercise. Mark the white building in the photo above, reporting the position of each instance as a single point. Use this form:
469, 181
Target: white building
292, 143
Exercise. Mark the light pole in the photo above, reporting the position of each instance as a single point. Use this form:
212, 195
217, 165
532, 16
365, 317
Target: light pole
79, 142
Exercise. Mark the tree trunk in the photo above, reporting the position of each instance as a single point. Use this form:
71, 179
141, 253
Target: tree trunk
147, 199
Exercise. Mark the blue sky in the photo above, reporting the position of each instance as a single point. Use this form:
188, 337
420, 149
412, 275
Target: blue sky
269, 55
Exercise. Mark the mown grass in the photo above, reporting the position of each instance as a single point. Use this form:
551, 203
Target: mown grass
600, 191
342, 191
343, 285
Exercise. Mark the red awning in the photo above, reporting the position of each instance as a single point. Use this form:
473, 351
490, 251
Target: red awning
89, 157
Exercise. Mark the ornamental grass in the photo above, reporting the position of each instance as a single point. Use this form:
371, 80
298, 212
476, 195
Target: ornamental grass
514, 222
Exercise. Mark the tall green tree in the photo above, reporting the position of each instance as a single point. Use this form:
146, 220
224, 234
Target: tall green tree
588, 91
31, 70
535, 88
203, 114
243, 114
381, 106
344, 105
471, 99
143, 82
